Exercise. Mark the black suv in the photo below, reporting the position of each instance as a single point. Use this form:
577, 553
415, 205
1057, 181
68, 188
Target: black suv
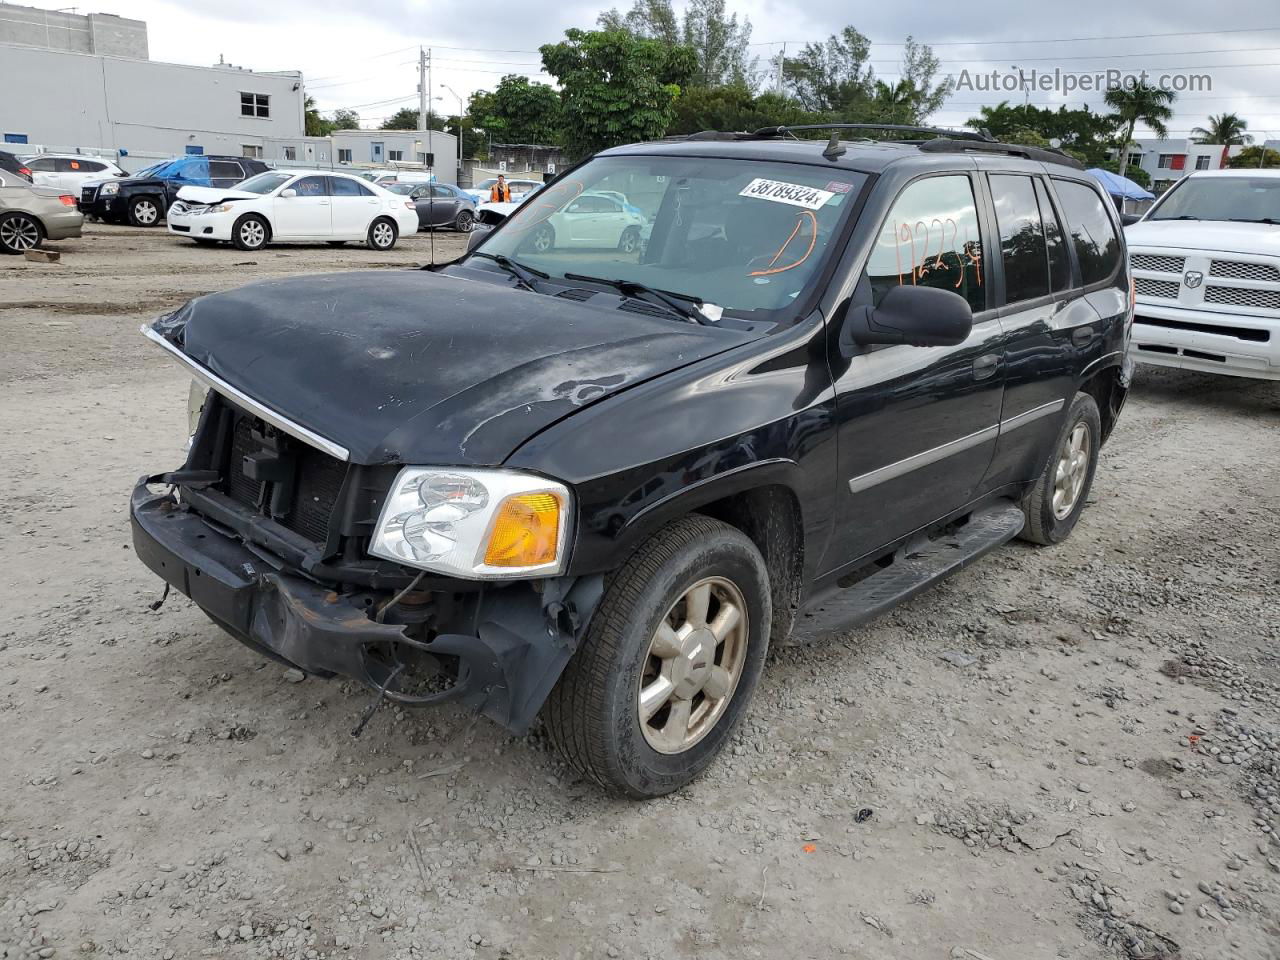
144, 198
573, 475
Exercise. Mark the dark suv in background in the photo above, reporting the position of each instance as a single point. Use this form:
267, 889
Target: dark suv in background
597, 483
144, 198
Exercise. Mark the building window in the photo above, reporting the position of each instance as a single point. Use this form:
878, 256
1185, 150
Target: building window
255, 105
1202, 163
251, 150
291, 153
395, 154
1135, 159
1166, 161
344, 156
15, 138
193, 150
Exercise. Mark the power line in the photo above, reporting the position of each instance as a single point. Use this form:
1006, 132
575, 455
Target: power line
986, 43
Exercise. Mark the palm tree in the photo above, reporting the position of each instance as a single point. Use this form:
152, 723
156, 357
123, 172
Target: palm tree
1226, 128
1139, 103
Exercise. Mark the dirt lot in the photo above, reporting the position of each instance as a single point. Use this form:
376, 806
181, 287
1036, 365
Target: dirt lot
1069, 753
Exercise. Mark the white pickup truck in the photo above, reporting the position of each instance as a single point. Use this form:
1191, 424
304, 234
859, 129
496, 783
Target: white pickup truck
1206, 268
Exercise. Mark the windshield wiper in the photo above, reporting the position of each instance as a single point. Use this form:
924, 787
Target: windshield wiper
633, 288
1271, 220
525, 275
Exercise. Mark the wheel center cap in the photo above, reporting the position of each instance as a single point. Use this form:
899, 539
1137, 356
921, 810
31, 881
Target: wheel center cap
690, 670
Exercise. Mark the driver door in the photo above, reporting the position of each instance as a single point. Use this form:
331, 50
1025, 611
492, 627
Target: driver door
306, 215
917, 426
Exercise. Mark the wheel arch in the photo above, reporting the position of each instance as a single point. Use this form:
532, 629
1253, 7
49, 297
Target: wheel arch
257, 214
1107, 387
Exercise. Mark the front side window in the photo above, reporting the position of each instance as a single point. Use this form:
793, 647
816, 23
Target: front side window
931, 239
1091, 230
195, 169
744, 235
255, 105
311, 187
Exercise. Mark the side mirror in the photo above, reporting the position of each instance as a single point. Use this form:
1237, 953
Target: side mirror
1128, 219
919, 316
478, 232
290, 192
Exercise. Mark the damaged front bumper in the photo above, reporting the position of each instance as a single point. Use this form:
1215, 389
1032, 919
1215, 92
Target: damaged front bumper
501, 651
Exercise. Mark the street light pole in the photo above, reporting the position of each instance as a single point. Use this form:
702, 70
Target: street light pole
458, 172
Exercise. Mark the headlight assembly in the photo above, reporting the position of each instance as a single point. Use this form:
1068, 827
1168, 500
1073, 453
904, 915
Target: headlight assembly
475, 524
109, 189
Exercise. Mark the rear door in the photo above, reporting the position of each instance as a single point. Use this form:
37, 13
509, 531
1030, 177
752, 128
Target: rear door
444, 206
917, 426
308, 214
354, 206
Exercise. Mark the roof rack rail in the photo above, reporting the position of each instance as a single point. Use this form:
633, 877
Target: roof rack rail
958, 145
782, 131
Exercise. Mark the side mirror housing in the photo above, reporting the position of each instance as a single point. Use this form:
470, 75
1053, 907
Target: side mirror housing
290, 192
476, 237
919, 316
1128, 219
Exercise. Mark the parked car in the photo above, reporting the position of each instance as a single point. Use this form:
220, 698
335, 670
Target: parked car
13, 164
70, 171
591, 221
385, 177
545, 479
143, 198
31, 214
1206, 265
439, 204
292, 205
482, 191
490, 213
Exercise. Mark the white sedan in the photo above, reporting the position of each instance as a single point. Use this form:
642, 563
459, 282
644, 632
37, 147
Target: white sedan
282, 205
593, 220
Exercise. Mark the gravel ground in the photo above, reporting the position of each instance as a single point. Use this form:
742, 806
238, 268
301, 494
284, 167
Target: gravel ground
1069, 752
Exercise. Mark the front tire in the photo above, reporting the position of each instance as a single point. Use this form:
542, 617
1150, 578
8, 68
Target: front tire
1054, 504
669, 663
20, 232
250, 232
382, 234
144, 212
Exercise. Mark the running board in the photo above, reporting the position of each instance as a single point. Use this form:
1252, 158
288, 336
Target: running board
916, 568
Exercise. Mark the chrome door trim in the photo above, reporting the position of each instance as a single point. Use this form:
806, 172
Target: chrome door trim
923, 459
1032, 415
214, 382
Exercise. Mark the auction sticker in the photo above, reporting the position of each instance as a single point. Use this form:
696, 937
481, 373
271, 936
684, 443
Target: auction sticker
779, 191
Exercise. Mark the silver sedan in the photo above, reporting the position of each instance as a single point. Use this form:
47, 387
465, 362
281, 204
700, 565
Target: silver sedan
29, 215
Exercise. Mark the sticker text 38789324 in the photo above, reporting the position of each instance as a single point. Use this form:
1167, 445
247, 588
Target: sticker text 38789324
779, 191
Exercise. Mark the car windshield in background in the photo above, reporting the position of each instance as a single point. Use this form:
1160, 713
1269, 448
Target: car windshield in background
1248, 199
743, 235
404, 189
152, 170
264, 183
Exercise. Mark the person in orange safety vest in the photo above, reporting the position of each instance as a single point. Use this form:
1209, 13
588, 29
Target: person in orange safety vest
500, 192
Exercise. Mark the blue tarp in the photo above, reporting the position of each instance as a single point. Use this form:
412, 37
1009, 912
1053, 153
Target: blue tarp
1119, 186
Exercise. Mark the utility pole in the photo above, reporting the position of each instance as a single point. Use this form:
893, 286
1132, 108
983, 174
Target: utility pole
424, 95
782, 59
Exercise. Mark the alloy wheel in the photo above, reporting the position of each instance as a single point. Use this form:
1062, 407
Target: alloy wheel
19, 233
253, 233
383, 235
465, 221
543, 239
692, 667
145, 212
1072, 470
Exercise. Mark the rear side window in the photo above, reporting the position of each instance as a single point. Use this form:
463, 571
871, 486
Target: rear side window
226, 170
1059, 263
43, 165
1022, 247
1090, 230
931, 239
345, 187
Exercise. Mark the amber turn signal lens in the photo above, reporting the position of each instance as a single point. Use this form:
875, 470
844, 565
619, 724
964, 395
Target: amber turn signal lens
526, 531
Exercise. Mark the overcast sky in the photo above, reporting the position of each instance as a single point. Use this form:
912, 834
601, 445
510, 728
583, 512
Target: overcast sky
362, 53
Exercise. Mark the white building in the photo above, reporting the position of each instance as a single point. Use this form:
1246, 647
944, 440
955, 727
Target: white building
1167, 161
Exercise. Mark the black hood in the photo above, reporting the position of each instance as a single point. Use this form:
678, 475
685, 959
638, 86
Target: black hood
419, 367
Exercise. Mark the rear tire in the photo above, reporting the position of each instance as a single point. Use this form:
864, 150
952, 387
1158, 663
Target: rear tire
665, 671
250, 232
466, 220
630, 241
20, 232
1054, 504
144, 212
382, 234
543, 238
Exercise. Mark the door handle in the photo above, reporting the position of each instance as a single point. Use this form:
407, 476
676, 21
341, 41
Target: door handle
1080, 336
323, 203
985, 366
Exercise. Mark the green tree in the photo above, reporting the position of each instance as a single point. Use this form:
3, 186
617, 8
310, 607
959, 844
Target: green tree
344, 119
406, 118
734, 108
832, 75
1255, 157
313, 124
517, 111
1080, 132
720, 44
655, 19
1224, 128
615, 87
1139, 103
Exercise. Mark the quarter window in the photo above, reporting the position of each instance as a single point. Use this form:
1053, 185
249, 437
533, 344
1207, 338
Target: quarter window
1022, 246
1092, 233
931, 239
1059, 264
255, 105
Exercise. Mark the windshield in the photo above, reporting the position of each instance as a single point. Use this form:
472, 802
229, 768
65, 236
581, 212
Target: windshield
152, 170
485, 184
264, 182
1253, 199
744, 235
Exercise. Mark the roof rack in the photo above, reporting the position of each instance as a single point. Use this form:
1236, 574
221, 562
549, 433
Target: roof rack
766, 132
959, 145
